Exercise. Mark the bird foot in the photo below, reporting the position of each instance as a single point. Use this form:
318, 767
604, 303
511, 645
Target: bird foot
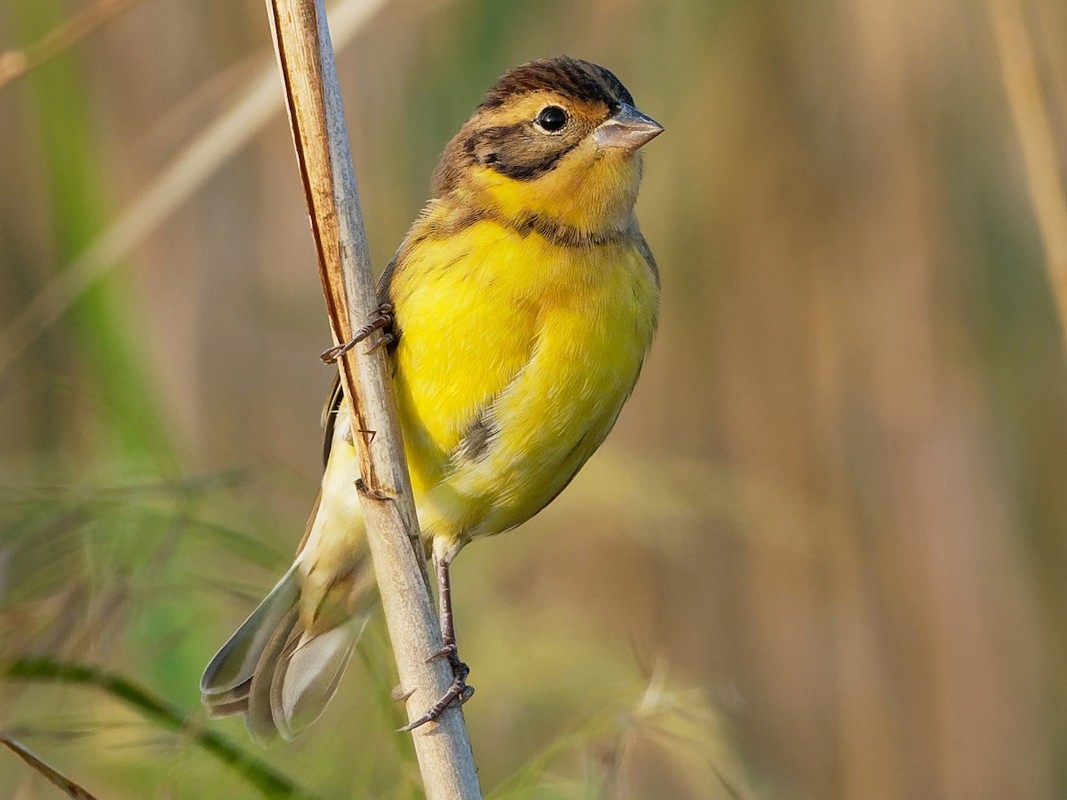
381, 319
458, 692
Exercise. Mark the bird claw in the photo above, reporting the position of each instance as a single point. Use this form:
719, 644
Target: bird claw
458, 692
381, 319
448, 650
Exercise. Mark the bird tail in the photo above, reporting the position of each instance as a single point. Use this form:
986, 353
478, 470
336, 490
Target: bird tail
274, 671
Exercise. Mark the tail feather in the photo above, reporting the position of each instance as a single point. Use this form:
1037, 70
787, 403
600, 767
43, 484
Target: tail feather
258, 717
236, 661
307, 677
232, 701
236, 706
274, 672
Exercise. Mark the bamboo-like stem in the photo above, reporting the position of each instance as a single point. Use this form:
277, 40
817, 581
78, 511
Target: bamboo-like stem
1034, 128
305, 55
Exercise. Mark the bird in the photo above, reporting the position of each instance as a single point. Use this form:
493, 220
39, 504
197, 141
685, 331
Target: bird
517, 313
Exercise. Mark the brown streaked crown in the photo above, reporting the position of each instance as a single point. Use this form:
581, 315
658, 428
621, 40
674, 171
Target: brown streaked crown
578, 79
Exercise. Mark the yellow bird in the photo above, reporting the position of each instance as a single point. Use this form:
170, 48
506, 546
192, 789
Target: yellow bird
523, 301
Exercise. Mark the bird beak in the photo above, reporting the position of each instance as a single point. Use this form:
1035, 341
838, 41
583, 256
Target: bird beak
627, 128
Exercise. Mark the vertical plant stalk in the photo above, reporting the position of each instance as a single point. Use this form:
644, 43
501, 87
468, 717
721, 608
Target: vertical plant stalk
1029, 111
305, 55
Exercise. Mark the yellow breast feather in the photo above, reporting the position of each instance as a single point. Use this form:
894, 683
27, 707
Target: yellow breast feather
494, 433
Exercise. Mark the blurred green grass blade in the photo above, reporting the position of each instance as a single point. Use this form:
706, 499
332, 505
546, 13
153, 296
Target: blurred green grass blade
100, 330
253, 770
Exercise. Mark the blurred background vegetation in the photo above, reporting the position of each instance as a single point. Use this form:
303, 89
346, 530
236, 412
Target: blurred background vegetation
823, 554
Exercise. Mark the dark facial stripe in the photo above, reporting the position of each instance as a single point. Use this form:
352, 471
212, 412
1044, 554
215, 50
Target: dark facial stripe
517, 151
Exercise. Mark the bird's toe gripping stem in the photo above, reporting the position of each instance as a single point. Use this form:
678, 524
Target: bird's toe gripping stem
382, 319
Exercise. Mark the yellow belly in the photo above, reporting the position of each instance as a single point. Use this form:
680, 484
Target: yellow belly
533, 346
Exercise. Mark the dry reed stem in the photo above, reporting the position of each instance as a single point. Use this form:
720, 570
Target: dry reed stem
319, 133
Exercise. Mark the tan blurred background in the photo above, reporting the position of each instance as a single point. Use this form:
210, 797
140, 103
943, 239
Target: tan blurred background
822, 555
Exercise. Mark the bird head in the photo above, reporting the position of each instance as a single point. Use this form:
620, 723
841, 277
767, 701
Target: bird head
558, 138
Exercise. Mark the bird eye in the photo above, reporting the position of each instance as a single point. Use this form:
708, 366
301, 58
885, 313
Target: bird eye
552, 119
